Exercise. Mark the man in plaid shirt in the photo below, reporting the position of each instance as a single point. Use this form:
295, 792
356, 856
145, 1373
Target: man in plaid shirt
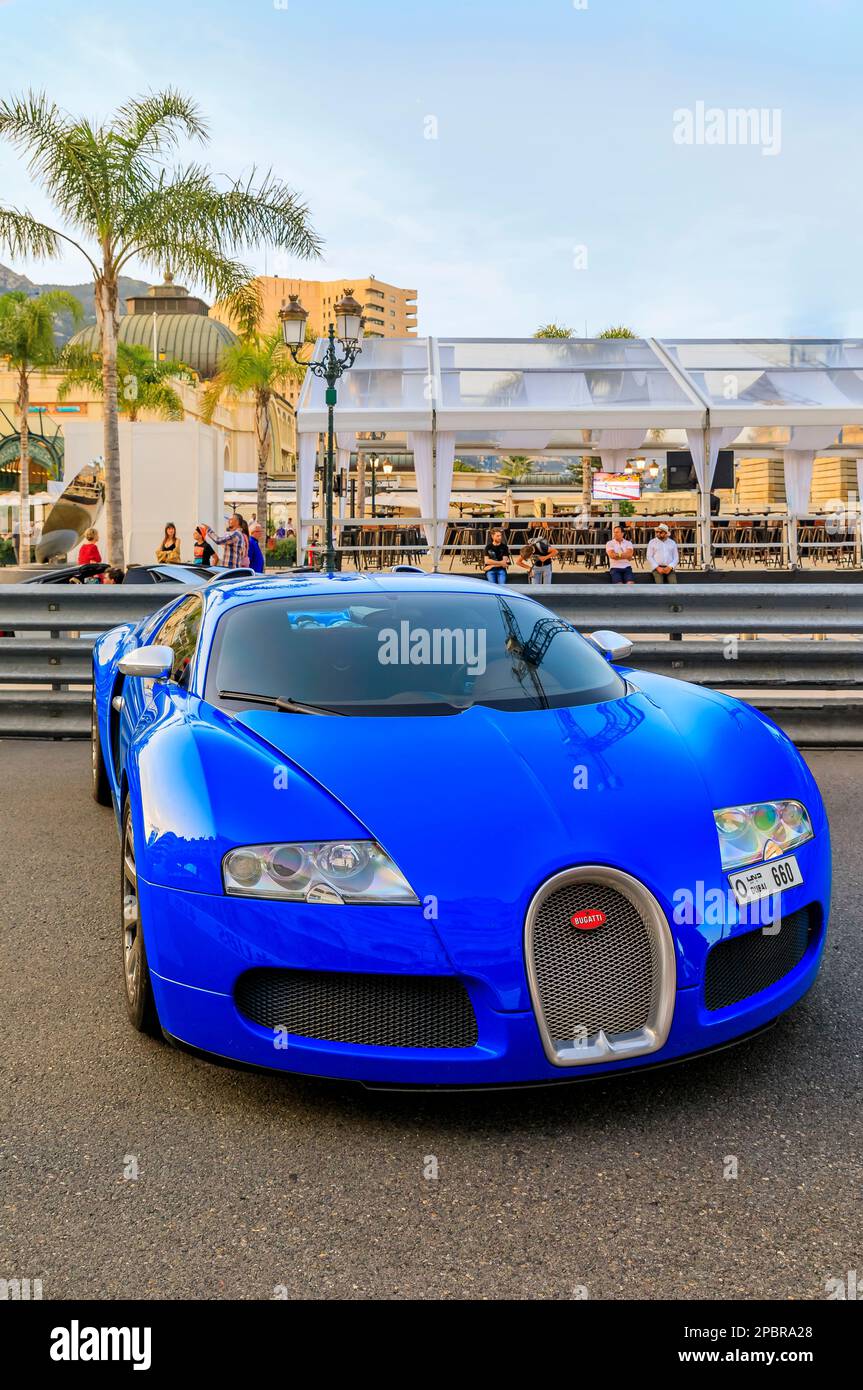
235, 547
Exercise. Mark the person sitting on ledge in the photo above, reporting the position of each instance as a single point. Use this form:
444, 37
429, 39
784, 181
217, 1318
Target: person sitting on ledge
619, 551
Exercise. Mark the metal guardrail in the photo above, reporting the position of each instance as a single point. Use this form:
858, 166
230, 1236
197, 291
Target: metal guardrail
714, 608
45, 668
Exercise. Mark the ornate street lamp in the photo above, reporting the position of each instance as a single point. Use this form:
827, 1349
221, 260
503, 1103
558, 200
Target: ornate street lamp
349, 330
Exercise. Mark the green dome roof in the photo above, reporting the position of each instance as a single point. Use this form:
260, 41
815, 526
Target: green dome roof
194, 339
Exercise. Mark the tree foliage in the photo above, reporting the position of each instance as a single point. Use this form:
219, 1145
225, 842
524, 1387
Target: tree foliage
119, 198
144, 383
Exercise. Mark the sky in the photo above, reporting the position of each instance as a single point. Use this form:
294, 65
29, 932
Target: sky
514, 162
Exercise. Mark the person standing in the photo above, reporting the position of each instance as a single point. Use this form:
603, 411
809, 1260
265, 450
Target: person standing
168, 553
663, 556
496, 559
202, 551
235, 547
256, 554
619, 551
537, 557
89, 554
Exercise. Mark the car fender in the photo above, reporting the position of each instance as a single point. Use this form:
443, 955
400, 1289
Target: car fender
201, 785
741, 754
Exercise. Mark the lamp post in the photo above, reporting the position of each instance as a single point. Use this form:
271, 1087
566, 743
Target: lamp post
348, 329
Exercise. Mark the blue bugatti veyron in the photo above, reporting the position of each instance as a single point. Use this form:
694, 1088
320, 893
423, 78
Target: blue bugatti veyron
418, 830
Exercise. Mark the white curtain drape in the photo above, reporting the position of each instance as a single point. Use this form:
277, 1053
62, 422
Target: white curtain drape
420, 445
720, 438
798, 479
444, 460
345, 444
615, 446
805, 442
434, 484
307, 447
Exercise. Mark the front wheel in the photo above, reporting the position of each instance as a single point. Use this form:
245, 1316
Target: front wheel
140, 1003
99, 784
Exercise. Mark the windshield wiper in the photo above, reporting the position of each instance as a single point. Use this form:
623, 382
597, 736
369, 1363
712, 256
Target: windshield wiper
279, 702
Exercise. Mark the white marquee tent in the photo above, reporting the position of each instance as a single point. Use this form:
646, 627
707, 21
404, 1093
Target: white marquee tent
599, 396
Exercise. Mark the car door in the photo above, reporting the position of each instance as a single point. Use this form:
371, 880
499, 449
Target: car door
146, 701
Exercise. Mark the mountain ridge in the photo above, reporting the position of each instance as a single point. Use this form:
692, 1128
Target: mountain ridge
83, 292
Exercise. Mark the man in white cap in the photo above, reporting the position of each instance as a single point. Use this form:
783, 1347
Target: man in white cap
663, 556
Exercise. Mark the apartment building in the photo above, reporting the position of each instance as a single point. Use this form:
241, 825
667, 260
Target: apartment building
390, 312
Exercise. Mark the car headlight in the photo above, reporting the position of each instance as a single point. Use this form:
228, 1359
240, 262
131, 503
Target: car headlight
316, 871
761, 830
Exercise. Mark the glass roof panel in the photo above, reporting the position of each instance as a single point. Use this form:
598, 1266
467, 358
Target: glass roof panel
409, 353
780, 388
717, 354
561, 390
545, 354
589, 379
359, 389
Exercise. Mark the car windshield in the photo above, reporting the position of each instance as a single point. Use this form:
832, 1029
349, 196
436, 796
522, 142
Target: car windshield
405, 654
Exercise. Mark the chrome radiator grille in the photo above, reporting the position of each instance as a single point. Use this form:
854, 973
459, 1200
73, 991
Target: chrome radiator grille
607, 991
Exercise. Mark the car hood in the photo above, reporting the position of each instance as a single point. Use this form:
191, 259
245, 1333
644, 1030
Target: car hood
499, 800
478, 809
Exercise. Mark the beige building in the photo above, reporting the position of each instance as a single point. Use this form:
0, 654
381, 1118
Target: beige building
234, 419
389, 312
175, 326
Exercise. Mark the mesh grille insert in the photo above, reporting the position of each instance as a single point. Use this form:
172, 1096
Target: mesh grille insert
745, 964
590, 980
370, 1010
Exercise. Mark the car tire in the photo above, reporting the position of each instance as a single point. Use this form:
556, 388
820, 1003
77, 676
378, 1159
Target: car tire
99, 784
137, 985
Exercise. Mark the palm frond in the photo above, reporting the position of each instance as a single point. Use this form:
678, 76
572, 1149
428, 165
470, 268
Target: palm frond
162, 400
27, 326
26, 237
62, 302
246, 308
150, 124
59, 154
245, 216
81, 367
189, 206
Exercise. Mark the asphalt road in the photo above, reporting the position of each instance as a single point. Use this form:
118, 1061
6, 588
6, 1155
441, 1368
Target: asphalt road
247, 1184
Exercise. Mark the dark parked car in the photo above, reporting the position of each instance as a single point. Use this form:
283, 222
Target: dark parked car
193, 576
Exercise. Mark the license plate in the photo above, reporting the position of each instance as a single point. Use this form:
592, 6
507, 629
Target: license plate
763, 880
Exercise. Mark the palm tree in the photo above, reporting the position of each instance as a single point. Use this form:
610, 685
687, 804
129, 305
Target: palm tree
617, 331
110, 186
27, 341
259, 363
516, 467
146, 384
553, 330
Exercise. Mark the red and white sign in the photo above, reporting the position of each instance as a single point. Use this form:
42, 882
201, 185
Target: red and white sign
616, 487
588, 919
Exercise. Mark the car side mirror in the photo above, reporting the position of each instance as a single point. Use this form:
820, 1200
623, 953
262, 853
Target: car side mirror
153, 663
613, 646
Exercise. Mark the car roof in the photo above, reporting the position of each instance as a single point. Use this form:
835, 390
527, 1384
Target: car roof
316, 583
